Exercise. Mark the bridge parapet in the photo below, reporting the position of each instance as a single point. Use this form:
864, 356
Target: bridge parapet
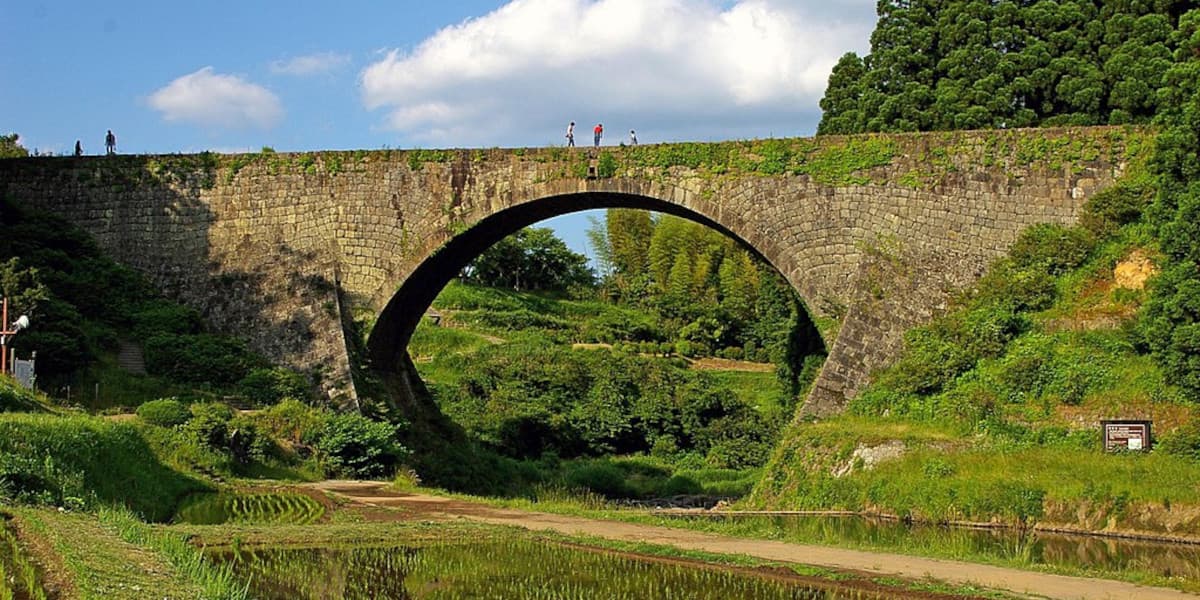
873, 231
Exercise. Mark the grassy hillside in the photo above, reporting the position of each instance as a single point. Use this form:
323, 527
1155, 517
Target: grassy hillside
81, 461
993, 411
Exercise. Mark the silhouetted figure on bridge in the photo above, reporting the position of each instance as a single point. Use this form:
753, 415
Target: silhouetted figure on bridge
78, 148
110, 143
571, 135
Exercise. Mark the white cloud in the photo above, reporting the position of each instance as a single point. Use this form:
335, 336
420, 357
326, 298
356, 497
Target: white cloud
673, 69
311, 64
212, 99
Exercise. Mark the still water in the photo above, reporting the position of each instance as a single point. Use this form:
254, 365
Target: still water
503, 568
1029, 548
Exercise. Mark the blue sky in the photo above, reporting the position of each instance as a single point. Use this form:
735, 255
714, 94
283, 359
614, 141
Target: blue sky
237, 76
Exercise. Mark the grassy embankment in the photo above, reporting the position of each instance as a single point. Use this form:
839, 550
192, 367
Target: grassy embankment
993, 413
87, 464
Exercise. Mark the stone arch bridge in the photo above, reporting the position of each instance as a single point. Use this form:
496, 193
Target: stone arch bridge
873, 231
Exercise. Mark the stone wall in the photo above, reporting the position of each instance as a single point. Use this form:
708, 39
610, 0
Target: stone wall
263, 244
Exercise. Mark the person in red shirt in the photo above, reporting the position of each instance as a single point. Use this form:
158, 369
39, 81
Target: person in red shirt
599, 131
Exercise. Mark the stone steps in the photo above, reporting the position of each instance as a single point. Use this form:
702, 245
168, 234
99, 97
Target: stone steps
130, 358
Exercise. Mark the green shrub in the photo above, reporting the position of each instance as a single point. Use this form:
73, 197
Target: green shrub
209, 425
247, 444
681, 484
1026, 288
264, 387
165, 412
1184, 441
355, 446
160, 316
1052, 248
202, 359
602, 478
1118, 205
292, 420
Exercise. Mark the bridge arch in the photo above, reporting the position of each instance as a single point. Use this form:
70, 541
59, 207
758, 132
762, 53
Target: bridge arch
388, 342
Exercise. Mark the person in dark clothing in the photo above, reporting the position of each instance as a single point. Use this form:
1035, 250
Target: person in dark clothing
599, 131
78, 148
110, 142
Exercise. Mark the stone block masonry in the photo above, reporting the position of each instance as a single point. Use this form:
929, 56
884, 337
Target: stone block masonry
872, 231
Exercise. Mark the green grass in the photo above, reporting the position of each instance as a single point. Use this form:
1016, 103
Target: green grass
762, 390
103, 566
19, 574
15, 398
87, 461
944, 476
215, 582
120, 388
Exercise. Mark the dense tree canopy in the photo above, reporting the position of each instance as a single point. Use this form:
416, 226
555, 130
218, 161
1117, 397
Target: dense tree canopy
968, 64
9, 148
531, 259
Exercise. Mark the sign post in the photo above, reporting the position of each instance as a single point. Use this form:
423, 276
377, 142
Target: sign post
1130, 435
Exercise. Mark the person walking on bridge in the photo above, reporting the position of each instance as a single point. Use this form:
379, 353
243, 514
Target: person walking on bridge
599, 133
110, 142
571, 135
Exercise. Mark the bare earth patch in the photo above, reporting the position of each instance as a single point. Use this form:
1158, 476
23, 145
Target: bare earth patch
1133, 272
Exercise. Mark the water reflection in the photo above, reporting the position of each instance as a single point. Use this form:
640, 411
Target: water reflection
1101, 554
507, 568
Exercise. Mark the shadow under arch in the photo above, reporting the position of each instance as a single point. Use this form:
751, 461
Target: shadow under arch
387, 346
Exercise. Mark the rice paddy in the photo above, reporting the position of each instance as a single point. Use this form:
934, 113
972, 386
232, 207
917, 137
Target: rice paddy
500, 566
19, 579
250, 509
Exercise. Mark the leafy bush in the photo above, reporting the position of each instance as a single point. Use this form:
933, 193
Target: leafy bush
353, 445
203, 358
292, 420
600, 477
1184, 441
209, 425
1052, 248
1118, 205
264, 387
165, 412
247, 444
159, 316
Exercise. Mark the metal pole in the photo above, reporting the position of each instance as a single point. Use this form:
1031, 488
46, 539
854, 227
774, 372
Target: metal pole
4, 333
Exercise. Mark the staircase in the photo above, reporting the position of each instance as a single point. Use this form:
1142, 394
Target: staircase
130, 358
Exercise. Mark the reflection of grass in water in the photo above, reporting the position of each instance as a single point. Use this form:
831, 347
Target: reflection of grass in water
214, 509
494, 566
1175, 565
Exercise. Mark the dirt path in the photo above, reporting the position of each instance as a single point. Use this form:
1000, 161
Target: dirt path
1014, 580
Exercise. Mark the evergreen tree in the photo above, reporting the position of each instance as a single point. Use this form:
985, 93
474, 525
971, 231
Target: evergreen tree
961, 64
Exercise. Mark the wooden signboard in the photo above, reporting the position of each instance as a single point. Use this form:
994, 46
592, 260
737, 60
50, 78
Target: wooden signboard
1122, 435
